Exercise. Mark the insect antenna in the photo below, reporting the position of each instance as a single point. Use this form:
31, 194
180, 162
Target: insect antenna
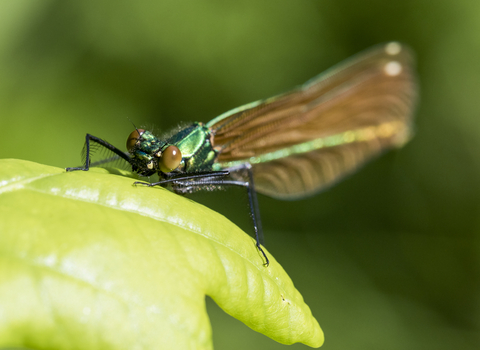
133, 125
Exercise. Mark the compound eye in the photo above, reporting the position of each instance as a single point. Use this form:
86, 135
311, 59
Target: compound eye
171, 158
133, 138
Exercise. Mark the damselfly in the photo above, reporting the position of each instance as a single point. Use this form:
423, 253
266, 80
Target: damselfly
289, 146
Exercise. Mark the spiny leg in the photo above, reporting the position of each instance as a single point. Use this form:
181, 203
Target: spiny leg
253, 204
180, 177
205, 180
255, 213
103, 143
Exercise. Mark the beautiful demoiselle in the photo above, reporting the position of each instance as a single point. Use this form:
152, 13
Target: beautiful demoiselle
289, 146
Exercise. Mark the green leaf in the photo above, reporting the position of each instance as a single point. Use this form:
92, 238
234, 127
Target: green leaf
89, 261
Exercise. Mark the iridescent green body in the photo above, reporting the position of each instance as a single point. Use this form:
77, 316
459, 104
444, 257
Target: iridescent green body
198, 153
300, 142
194, 142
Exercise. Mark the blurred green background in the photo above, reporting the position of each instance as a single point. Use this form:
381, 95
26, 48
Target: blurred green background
389, 258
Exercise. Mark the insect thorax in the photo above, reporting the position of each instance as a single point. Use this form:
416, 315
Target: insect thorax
195, 144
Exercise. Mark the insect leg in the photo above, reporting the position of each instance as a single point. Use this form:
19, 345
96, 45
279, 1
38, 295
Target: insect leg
254, 208
102, 143
252, 199
181, 177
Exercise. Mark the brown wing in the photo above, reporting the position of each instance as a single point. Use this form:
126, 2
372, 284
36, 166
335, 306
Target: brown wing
307, 139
